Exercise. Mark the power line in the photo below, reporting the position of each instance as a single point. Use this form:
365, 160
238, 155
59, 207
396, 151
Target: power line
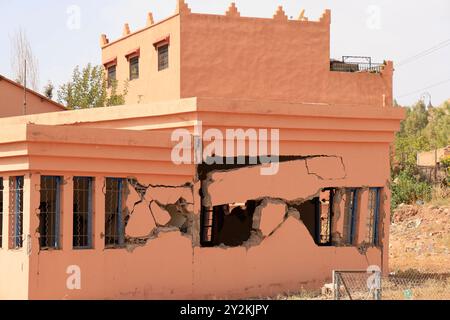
429, 87
424, 53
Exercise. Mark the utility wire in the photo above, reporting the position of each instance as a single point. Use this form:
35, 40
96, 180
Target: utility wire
424, 53
429, 87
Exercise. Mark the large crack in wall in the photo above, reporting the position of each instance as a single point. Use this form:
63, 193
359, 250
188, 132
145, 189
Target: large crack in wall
169, 207
320, 167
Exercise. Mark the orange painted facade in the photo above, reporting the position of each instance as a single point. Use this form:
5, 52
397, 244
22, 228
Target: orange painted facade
335, 130
237, 57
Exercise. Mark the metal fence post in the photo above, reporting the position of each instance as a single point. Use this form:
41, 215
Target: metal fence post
377, 291
336, 285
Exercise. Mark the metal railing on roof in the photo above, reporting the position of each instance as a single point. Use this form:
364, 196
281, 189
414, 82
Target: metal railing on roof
356, 64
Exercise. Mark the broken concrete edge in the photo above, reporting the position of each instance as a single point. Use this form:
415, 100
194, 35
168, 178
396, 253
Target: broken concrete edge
240, 162
175, 210
191, 223
319, 176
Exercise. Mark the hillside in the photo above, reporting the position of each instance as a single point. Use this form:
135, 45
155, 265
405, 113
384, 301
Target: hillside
420, 238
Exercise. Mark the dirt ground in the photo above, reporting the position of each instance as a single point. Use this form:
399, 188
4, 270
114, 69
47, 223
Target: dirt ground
420, 239
419, 256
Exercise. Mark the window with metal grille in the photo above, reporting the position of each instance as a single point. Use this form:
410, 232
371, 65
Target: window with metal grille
374, 216
16, 212
163, 57
114, 213
207, 223
325, 213
351, 216
112, 75
134, 68
50, 212
229, 224
82, 212
1, 212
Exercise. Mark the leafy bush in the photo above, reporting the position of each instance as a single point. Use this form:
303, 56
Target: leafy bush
407, 189
445, 162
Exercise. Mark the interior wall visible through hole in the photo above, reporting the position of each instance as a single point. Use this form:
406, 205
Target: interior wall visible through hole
333, 216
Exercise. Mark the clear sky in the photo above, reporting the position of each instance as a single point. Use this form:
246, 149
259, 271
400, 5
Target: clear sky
384, 29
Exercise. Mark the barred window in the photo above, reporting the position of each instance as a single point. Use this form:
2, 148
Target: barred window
325, 214
50, 212
1, 212
16, 212
351, 216
82, 212
374, 215
134, 68
114, 213
111, 75
163, 57
207, 223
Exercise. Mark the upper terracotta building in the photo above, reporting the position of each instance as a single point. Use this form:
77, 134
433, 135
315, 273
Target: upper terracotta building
235, 57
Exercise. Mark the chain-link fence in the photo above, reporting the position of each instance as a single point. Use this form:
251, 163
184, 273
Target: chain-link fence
372, 285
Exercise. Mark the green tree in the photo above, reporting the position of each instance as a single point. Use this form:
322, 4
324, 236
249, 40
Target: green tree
410, 139
88, 89
416, 120
115, 99
422, 130
438, 128
48, 90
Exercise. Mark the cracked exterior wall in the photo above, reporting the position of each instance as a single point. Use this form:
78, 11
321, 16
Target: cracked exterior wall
163, 258
156, 209
293, 182
162, 240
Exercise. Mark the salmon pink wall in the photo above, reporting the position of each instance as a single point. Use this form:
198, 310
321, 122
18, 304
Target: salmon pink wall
235, 57
253, 58
152, 85
171, 264
12, 98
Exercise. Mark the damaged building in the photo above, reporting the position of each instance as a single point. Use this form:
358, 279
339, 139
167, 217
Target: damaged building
94, 207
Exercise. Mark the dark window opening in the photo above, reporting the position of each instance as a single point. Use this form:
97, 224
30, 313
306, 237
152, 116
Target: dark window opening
114, 212
50, 212
1, 212
82, 212
316, 215
229, 224
112, 75
134, 68
309, 211
16, 212
374, 215
163, 57
351, 216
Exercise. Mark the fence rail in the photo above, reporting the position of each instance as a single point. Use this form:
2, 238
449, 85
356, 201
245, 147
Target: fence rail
372, 285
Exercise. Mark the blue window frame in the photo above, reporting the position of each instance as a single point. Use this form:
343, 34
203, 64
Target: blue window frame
16, 212
374, 215
82, 212
351, 216
50, 212
114, 213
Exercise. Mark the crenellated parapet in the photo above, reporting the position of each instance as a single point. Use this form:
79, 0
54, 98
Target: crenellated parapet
183, 9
